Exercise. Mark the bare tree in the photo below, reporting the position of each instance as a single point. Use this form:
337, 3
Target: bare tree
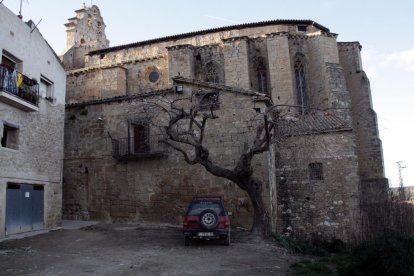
185, 132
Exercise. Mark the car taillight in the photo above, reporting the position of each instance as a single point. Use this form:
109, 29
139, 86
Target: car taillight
185, 222
226, 222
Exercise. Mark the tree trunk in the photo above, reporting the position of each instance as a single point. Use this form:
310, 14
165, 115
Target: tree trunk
260, 216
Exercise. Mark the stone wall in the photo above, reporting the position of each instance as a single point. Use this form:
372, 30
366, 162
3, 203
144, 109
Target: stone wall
155, 190
369, 145
98, 186
85, 32
318, 209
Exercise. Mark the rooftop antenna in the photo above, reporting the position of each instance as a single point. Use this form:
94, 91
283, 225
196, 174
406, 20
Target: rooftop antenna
20, 11
401, 191
36, 26
401, 166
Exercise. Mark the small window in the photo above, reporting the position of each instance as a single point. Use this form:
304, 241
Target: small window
12, 62
46, 89
10, 137
315, 171
209, 101
302, 28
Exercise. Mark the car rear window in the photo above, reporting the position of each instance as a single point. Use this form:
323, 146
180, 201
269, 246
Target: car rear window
197, 207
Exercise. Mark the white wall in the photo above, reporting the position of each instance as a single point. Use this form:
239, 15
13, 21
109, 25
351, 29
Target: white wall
39, 157
38, 58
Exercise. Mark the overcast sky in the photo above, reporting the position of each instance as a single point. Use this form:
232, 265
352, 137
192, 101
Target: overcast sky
384, 28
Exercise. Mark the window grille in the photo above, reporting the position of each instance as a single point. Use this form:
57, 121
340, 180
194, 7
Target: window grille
315, 171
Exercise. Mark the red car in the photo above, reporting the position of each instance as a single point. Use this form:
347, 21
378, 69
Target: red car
206, 219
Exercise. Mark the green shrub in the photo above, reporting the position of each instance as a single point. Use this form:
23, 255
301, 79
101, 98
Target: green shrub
299, 247
390, 255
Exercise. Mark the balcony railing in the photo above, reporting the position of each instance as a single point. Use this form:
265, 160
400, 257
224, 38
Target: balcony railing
138, 148
18, 85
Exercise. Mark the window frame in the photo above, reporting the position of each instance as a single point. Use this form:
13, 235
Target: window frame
316, 171
17, 63
145, 143
302, 95
212, 72
261, 74
10, 136
210, 105
49, 88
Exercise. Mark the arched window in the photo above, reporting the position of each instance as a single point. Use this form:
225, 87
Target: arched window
212, 74
261, 76
301, 87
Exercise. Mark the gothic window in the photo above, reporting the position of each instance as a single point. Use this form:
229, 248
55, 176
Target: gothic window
301, 86
315, 171
212, 74
261, 76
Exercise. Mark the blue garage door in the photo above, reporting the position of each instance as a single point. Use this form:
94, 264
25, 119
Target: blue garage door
24, 208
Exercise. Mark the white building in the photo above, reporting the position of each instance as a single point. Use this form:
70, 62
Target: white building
32, 99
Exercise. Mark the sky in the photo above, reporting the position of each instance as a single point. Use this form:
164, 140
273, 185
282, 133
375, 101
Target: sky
384, 28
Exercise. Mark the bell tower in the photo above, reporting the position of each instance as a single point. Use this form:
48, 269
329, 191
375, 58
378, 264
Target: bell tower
85, 33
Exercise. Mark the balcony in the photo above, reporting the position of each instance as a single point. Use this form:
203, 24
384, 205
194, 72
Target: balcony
18, 90
138, 148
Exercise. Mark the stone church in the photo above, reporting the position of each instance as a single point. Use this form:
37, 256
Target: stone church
316, 185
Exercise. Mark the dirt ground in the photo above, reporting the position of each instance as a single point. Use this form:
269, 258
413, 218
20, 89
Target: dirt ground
137, 250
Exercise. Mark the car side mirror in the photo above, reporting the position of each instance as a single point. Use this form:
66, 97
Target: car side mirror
229, 214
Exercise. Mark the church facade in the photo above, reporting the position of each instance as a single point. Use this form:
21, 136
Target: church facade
316, 184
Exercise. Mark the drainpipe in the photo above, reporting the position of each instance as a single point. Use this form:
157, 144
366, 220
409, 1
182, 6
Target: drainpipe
129, 137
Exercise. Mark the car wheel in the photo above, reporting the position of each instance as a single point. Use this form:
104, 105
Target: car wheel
208, 219
186, 241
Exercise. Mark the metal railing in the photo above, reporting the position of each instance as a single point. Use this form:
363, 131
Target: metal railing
19, 85
138, 147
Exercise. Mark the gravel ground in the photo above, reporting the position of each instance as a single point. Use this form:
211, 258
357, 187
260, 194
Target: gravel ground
110, 249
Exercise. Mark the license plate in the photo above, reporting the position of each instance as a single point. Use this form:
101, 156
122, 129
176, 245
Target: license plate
206, 234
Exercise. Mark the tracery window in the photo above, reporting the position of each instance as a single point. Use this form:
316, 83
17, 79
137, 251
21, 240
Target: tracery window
261, 76
301, 86
209, 101
212, 74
